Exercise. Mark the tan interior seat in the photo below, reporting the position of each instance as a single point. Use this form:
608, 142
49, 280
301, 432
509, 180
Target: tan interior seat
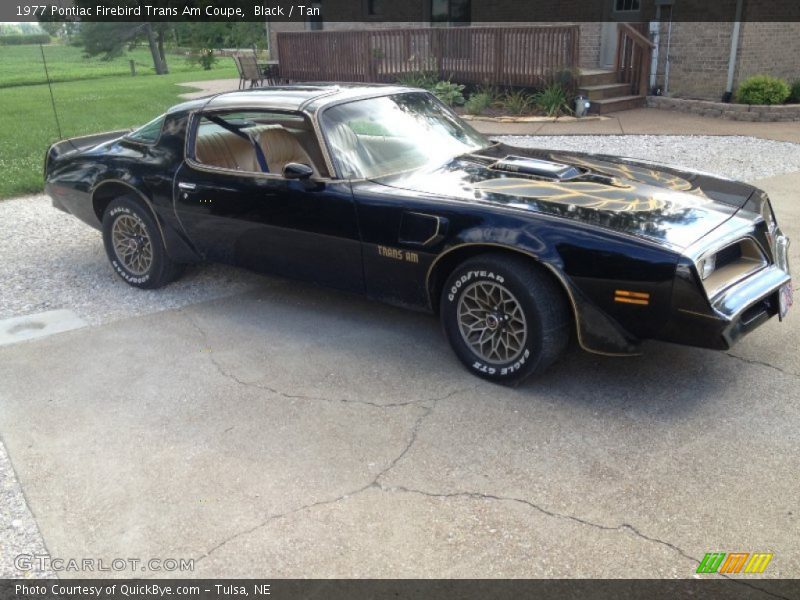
281, 147
226, 150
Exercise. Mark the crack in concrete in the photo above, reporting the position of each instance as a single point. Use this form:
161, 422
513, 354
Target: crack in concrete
544, 511
277, 516
258, 385
752, 361
549, 513
373, 484
427, 411
428, 405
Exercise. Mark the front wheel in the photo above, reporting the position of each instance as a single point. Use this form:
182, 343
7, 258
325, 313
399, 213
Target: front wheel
505, 317
135, 247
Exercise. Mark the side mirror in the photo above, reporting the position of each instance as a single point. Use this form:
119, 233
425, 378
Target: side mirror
297, 171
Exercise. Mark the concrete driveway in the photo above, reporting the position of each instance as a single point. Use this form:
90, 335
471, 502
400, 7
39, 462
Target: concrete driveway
287, 431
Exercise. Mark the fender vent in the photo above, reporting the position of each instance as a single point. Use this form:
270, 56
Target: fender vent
538, 168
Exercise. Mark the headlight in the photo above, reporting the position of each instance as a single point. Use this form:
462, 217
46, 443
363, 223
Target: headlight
769, 218
768, 215
723, 268
706, 266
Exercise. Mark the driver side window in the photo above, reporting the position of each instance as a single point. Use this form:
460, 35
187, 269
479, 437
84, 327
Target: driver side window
257, 142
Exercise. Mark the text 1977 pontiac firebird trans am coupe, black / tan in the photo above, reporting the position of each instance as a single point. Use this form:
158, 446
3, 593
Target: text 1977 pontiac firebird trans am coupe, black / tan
383, 191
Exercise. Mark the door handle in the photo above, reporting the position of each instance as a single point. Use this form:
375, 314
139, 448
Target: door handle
186, 186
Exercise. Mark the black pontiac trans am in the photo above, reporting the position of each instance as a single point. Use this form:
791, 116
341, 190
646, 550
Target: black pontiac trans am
383, 191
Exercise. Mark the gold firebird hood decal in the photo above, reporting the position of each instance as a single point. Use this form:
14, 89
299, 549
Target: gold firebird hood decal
633, 189
633, 173
579, 193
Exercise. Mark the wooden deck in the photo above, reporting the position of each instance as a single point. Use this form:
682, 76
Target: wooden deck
508, 56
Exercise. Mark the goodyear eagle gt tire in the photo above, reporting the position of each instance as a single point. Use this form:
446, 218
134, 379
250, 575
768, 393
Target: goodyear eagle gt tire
505, 317
135, 247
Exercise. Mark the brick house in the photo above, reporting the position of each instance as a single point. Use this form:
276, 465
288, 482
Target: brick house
692, 59
700, 56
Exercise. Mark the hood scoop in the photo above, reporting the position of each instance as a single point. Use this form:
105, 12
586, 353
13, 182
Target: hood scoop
538, 168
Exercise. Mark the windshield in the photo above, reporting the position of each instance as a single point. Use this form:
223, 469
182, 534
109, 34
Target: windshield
378, 136
148, 133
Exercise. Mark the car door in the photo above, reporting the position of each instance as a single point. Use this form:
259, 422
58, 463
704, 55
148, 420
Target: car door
402, 234
305, 229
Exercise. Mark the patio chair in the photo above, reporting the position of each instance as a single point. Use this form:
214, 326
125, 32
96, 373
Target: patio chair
272, 74
238, 64
250, 71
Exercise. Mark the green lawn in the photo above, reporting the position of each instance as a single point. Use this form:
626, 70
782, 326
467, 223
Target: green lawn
22, 65
27, 125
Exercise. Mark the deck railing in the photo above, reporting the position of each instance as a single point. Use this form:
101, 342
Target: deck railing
634, 52
507, 56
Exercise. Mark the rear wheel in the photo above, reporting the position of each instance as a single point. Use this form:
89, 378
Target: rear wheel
505, 317
135, 247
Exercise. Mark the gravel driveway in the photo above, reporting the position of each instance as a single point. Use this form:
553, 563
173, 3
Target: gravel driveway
51, 260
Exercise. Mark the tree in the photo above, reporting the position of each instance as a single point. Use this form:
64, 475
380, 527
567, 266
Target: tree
54, 28
208, 35
110, 39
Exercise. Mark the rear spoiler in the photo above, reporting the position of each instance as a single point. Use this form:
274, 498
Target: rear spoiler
76, 144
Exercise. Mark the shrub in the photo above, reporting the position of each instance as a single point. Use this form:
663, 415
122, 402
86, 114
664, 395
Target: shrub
489, 90
419, 79
762, 89
478, 103
449, 93
568, 80
207, 59
204, 57
20, 39
552, 100
517, 102
794, 93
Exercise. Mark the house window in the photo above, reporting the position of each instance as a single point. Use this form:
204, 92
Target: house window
374, 8
315, 21
451, 11
626, 5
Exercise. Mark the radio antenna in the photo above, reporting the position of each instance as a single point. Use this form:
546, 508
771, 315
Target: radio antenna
52, 98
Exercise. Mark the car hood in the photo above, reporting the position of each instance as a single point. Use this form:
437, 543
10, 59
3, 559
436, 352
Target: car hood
635, 197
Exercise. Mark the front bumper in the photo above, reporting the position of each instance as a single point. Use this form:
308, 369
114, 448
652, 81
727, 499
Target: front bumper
749, 304
736, 311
